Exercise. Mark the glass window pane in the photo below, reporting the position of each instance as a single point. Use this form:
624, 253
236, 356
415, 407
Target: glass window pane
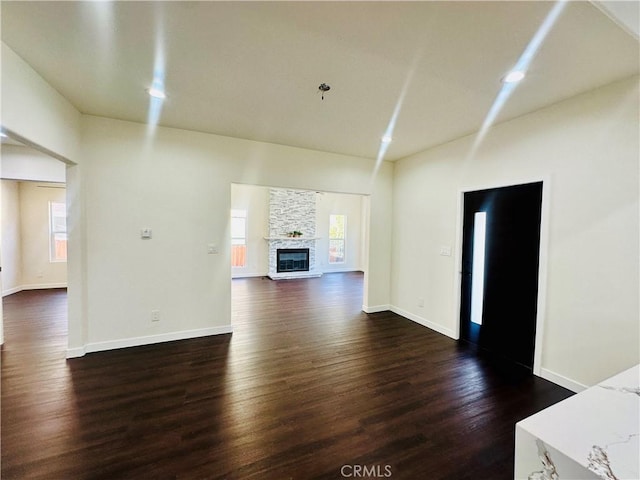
477, 272
59, 247
336, 251
337, 226
238, 255
238, 227
59, 224
57, 232
58, 209
238, 238
58, 217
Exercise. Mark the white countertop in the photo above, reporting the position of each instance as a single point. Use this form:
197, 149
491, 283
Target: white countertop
597, 428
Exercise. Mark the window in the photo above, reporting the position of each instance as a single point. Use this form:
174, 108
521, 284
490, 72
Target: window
238, 238
337, 228
57, 232
477, 273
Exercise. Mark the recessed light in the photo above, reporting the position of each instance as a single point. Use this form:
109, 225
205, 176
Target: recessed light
156, 93
513, 77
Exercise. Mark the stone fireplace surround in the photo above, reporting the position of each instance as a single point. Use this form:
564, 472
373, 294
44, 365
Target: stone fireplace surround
291, 210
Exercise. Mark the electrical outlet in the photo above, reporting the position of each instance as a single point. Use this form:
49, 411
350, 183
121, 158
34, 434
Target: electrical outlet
155, 315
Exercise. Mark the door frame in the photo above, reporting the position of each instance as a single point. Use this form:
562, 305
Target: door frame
542, 259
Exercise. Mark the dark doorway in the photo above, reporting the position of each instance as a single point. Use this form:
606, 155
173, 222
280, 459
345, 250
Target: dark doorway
499, 296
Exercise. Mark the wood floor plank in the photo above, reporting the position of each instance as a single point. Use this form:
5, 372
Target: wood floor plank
306, 384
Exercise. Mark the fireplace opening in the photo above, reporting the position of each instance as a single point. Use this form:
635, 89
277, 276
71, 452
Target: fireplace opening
292, 259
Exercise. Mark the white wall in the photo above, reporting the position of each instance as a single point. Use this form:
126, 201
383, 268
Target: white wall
255, 200
586, 150
170, 182
339, 204
25, 237
24, 163
37, 269
35, 112
178, 183
10, 238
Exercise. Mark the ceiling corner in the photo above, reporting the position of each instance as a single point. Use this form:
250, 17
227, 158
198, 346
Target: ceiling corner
624, 13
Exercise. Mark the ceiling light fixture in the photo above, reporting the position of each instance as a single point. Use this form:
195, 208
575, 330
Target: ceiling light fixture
324, 88
156, 93
513, 76
387, 138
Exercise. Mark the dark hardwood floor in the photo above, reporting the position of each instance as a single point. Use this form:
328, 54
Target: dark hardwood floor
306, 384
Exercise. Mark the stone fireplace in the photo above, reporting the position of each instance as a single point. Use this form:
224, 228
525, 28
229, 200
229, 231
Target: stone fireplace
289, 211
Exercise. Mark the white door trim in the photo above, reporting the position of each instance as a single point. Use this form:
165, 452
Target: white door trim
542, 266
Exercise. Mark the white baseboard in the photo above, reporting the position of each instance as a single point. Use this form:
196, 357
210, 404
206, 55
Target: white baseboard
76, 352
34, 286
248, 275
544, 373
147, 340
424, 322
320, 272
375, 308
11, 291
44, 286
562, 381
341, 270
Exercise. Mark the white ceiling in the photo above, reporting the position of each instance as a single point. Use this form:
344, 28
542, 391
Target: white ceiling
252, 69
